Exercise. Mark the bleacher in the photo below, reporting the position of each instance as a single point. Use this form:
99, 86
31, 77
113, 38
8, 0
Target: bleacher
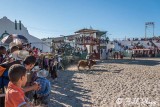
150, 44
118, 47
131, 44
156, 43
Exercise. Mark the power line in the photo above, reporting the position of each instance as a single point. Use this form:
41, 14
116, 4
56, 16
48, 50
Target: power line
47, 30
40, 29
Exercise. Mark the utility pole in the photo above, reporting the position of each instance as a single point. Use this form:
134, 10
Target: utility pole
145, 31
153, 29
149, 25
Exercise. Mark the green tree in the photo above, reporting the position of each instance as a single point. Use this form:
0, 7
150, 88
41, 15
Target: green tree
107, 40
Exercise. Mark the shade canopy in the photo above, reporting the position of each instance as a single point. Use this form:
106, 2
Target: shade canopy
14, 38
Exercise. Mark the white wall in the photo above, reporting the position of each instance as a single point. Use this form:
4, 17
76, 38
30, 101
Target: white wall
9, 26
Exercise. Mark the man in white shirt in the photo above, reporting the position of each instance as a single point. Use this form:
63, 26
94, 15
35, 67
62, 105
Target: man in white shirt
59, 62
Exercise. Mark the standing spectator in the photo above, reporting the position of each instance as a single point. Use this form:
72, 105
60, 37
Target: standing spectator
2, 53
133, 55
34, 72
40, 62
36, 51
60, 62
24, 46
31, 52
19, 56
53, 68
46, 62
101, 51
28, 47
88, 58
33, 48
14, 48
42, 95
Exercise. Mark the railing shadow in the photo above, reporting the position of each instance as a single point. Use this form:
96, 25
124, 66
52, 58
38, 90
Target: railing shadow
138, 61
67, 92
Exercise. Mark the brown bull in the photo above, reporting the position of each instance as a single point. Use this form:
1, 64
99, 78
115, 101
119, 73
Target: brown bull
85, 63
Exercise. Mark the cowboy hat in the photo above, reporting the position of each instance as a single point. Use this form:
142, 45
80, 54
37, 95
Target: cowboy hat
42, 73
20, 54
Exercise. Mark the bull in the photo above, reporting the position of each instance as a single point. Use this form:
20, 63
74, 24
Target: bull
85, 63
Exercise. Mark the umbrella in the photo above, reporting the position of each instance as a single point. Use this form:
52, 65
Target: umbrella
14, 38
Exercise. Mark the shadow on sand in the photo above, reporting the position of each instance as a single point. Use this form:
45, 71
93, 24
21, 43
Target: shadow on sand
138, 61
68, 93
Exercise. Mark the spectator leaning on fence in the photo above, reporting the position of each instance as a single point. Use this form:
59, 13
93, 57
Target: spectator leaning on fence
42, 95
15, 96
29, 63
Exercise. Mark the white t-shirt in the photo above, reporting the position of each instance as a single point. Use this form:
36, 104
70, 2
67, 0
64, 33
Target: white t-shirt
59, 59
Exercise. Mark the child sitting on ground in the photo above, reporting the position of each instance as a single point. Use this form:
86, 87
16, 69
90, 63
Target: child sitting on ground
15, 96
42, 95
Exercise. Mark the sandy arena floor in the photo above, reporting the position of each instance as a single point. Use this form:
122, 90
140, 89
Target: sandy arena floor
110, 83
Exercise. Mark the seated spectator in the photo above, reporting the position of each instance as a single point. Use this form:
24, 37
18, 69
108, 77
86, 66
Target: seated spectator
42, 95
15, 95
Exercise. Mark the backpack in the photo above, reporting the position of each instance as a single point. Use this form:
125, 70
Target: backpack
4, 79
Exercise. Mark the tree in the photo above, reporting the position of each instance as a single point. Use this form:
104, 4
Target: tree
107, 40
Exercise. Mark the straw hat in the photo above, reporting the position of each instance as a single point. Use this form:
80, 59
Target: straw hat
51, 57
12, 44
36, 68
46, 56
42, 73
20, 54
19, 44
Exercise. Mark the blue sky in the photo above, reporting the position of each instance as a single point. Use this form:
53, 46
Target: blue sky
49, 18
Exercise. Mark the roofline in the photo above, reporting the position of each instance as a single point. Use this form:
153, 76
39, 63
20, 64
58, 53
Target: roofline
83, 30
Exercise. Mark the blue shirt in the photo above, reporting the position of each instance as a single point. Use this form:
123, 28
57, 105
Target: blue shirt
45, 87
